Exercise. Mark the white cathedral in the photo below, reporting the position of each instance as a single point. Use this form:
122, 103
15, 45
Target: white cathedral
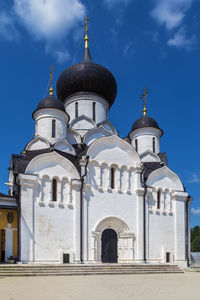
86, 195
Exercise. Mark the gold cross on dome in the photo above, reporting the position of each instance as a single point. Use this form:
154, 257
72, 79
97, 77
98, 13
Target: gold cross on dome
86, 25
86, 31
51, 90
144, 99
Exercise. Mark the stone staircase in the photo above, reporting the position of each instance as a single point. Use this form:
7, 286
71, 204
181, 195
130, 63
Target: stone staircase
85, 269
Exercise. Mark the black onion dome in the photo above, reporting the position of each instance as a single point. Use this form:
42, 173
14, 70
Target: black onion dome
87, 76
145, 121
50, 102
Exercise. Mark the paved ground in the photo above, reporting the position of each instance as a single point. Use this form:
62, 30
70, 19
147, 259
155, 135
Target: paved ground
113, 287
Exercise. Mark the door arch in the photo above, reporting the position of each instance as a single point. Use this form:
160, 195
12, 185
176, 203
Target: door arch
109, 246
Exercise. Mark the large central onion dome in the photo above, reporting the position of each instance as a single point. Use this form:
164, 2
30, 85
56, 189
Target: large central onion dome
87, 76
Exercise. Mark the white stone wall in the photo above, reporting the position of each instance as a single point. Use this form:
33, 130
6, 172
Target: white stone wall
118, 207
48, 228
145, 138
166, 229
43, 124
166, 224
85, 107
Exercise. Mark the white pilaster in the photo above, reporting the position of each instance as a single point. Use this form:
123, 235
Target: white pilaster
139, 255
180, 199
27, 183
9, 242
76, 186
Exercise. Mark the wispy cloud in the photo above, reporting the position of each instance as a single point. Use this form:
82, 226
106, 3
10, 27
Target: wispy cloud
48, 21
170, 13
7, 27
180, 40
111, 3
195, 211
194, 178
128, 49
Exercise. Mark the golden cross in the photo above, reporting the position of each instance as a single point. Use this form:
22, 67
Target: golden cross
86, 25
144, 99
86, 30
51, 90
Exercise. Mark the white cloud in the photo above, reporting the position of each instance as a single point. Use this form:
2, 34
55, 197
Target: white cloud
170, 12
195, 178
195, 211
7, 27
180, 40
111, 3
49, 21
128, 49
62, 56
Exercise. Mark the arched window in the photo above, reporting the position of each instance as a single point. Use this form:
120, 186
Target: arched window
158, 199
112, 178
76, 110
54, 190
53, 128
154, 145
136, 145
94, 111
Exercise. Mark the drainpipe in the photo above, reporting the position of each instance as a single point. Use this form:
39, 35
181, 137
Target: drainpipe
144, 211
187, 234
144, 220
17, 195
83, 175
19, 224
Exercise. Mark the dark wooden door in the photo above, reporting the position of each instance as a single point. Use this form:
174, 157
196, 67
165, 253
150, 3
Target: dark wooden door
2, 245
109, 246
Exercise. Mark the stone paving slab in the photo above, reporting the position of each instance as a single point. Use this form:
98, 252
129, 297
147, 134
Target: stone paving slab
118, 287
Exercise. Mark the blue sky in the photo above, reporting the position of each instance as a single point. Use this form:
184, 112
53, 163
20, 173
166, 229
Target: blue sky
152, 43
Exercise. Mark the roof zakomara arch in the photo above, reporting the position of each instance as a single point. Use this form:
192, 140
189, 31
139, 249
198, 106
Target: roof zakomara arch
113, 150
52, 164
164, 177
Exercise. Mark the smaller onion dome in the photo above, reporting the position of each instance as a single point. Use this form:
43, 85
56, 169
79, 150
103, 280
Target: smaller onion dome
50, 101
145, 121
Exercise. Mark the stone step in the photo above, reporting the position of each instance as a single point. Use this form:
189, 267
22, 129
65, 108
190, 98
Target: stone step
88, 266
62, 270
89, 270
86, 273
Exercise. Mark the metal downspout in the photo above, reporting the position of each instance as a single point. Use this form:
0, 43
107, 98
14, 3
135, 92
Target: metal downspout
81, 210
144, 214
187, 231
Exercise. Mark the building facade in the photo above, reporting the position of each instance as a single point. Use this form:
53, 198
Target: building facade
8, 228
83, 193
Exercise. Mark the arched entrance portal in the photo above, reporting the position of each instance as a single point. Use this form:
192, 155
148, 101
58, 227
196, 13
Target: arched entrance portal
112, 231
109, 246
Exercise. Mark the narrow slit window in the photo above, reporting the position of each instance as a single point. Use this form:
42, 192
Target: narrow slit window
53, 128
94, 111
167, 257
112, 183
106, 114
154, 146
76, 109
136, 145
158, 199
54, 189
